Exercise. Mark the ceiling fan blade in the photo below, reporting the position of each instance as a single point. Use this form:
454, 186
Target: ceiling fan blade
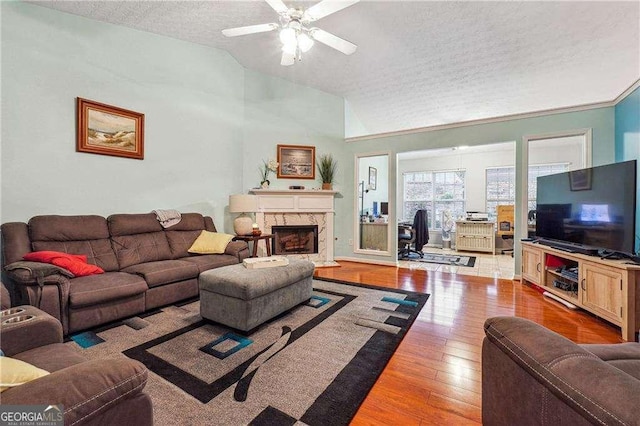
330, 40
278, 6
287, 59
327, 7
251, 29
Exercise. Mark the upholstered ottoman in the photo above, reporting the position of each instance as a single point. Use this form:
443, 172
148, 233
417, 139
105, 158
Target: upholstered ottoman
244, 298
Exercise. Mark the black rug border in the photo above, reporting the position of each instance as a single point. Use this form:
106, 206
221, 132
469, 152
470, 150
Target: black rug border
340, 401
324, 410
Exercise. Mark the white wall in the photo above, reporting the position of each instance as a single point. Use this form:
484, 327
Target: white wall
209, 123
192, 98
280, 112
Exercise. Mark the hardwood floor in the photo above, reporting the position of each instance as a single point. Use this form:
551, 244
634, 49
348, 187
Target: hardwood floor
435, 375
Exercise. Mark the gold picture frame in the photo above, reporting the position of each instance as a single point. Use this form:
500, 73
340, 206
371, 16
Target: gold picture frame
296, 162
108, 130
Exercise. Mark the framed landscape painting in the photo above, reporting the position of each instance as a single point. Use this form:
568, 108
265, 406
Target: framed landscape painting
296, 161
109, 130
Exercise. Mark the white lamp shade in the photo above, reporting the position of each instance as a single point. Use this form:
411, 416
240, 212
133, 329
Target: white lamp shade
243, 203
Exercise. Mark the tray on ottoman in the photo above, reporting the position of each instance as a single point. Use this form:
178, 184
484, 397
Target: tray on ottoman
244, 298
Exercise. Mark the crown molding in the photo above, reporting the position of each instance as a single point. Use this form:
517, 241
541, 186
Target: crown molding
627, 92
510, 117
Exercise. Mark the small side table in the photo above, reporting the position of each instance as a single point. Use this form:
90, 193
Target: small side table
255, 238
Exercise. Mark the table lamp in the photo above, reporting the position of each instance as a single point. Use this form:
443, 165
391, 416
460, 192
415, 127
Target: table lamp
243, 203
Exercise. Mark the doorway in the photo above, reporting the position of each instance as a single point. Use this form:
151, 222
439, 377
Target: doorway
548, 154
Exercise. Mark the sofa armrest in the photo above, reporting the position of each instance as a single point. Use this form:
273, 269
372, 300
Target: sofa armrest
34, 273
240, 249
41, 330
85, 390
530, 372
43, 286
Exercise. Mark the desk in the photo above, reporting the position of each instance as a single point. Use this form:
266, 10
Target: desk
374, 236
255, 238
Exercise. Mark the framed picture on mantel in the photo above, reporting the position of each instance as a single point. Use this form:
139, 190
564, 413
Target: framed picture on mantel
109, 130
296, 162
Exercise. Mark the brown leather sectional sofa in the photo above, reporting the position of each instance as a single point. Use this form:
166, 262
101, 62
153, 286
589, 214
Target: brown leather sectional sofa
533, 376
96, 392
146, 266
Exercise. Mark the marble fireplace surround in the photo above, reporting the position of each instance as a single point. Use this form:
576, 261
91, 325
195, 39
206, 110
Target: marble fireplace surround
299, 207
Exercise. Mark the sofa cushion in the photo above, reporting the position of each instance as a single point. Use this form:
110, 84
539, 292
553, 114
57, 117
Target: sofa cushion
181, 241
15, 241
67, 228
83, 235
210, 261
189, 222
141, 248
51, 357
97, 289
182, 235
138, 238
164, 271
210, 243
624, 356
131, 224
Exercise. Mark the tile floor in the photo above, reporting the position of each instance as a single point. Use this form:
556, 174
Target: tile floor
487, 265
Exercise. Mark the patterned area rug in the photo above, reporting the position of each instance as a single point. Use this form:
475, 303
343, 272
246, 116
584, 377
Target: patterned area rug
445, 259
314, 364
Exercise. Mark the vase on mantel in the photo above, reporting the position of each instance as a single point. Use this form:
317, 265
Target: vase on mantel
327, 185
264, 184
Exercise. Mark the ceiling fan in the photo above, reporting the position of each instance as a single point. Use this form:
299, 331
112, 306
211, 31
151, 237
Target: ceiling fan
295, 34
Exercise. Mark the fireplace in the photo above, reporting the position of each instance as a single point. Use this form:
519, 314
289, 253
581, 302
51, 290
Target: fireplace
299, 207
295, 239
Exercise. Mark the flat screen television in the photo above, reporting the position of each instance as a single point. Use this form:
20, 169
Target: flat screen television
589, 209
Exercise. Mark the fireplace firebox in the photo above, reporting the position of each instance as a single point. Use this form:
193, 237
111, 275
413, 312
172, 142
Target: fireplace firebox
294, 239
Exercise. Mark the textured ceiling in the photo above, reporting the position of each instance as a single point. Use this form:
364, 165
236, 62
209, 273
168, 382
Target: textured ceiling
422, 63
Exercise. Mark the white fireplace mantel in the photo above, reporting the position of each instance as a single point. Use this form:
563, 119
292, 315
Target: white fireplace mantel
303, 205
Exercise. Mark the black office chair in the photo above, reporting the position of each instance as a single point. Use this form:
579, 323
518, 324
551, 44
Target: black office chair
417, 234
406, 237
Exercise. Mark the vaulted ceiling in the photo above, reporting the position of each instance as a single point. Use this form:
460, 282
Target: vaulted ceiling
421, 63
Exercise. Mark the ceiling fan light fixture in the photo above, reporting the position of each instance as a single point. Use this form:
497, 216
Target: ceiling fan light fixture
288, 36
295, 35
290, 48
304, 42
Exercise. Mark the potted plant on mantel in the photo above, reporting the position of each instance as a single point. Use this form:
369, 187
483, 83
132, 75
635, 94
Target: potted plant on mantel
327, 169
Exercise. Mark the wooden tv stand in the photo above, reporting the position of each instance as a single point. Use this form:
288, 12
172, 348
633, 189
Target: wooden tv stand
609, 289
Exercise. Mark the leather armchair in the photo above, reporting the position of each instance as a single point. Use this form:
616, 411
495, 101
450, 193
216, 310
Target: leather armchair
96, 392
